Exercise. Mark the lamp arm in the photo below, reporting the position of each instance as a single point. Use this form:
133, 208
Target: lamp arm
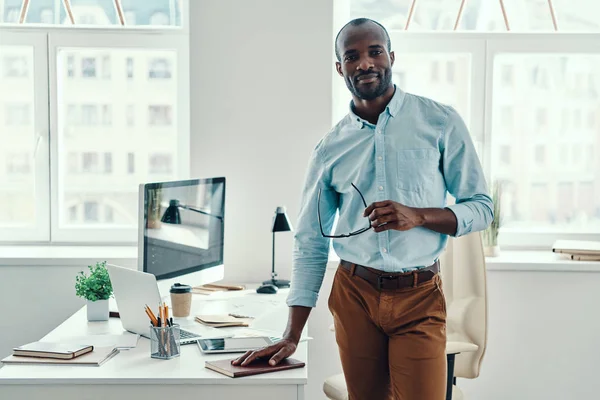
201, 212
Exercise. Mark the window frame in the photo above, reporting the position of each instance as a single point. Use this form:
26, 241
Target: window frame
45, 40
40, 230
122, 40
483, 47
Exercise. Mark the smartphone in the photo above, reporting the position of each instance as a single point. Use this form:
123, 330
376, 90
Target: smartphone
233, 345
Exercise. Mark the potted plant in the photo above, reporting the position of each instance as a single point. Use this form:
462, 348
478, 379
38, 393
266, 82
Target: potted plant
96, 289
490, 235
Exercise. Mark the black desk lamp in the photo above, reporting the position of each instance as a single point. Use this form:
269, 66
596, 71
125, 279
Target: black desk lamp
280, 224
172, 215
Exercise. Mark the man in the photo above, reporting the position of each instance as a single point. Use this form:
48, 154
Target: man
403, 153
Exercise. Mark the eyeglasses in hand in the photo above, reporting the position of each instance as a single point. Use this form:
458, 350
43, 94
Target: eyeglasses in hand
346, 235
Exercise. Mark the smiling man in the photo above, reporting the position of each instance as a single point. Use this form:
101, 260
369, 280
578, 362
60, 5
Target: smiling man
403, 153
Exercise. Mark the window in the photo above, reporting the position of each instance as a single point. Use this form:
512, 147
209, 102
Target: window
159, 18
47, 16
505, 154
160, 68
109, 214
89, 114
107, 163
90, 211
68, 104
73, 162
564, 165
450, 72
507, 75
18, 164
16, 67
129, 68
17, 115
90, 162
531, 102
73, 214
159, 115
540, 155
106, 67
88, 67
130, 115
70, 66
160, 164
130, 163
106, 114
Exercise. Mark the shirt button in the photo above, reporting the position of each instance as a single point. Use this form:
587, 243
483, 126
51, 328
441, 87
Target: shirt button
380, 158
380, 187
384, 250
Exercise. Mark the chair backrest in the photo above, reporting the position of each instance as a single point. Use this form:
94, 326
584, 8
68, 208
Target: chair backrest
464, 282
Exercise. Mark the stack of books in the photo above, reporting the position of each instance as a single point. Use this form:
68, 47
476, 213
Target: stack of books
60, 353
579, 250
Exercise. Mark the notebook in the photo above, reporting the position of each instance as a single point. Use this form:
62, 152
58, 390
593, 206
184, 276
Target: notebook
96, 358
258, 367
221, 321
52, 350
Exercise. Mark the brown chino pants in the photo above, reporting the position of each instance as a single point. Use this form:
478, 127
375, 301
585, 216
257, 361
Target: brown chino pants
392, 342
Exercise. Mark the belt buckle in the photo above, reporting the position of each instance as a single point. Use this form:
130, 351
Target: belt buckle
380, 279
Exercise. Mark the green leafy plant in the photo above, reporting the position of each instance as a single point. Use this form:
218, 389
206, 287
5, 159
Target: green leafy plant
490, 235
95, 286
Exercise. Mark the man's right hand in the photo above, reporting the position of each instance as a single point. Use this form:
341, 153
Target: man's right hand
276, 352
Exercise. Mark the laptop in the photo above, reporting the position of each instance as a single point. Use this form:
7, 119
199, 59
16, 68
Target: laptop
133, 290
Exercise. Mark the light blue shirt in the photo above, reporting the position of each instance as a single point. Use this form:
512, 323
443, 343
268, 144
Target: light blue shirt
418, 152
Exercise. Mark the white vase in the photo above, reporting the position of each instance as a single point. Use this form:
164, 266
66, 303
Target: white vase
97, 310
491, 251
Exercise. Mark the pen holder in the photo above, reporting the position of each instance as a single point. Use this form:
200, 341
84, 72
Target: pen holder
164, 342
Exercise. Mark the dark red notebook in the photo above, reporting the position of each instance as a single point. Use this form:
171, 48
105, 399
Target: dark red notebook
257, 367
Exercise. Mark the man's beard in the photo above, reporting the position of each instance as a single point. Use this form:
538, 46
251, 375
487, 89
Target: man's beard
370, 92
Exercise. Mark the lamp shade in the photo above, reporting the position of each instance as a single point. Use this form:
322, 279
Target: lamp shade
171, 215
281, 222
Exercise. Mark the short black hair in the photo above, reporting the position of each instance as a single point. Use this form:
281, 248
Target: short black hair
358, 22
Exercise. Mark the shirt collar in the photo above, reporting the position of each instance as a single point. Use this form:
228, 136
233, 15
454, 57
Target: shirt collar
392, 108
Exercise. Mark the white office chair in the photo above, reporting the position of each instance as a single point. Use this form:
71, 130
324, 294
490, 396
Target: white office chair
464, 281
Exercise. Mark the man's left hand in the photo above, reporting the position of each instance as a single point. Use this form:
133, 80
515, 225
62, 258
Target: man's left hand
388, 214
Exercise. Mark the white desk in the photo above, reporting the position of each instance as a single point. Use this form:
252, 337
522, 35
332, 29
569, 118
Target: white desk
133, 374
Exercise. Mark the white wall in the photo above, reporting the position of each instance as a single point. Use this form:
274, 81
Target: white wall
543, 337
260, 101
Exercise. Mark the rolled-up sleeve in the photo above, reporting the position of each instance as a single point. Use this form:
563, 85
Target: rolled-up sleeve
311, 249
464, 178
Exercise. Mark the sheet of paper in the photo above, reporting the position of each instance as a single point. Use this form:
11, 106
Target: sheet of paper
125, 340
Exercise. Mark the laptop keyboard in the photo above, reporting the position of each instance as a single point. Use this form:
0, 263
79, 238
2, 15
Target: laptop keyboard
187, 334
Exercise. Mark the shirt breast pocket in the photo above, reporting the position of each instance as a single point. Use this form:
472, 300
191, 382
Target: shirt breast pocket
416, 169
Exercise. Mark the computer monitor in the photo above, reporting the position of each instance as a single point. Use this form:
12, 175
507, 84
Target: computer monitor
181, 231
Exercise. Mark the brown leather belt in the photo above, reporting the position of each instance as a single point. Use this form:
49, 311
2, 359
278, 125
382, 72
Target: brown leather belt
386, 281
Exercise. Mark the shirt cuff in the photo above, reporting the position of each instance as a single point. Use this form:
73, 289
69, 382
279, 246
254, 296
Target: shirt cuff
300, 297
464, 218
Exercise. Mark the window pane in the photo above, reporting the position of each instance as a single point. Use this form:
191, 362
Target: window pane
17, 167
448, 81
481, 15
545, 156
111, 146
94, 12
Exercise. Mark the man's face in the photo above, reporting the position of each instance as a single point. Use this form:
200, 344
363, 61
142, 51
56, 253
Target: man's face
365, 63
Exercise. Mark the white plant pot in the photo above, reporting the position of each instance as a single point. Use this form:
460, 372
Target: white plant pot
97, 310
491, 251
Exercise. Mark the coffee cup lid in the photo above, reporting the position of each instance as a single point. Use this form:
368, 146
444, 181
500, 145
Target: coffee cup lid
179, 288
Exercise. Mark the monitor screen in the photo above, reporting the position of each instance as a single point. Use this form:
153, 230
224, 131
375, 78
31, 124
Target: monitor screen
182, 229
